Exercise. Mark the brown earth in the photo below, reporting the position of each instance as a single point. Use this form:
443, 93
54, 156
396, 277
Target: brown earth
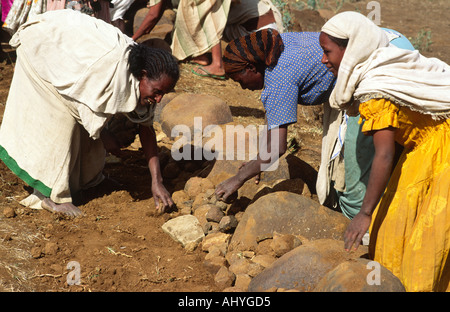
119, 244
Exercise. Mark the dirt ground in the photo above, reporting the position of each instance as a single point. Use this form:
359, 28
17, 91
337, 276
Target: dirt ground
119, 243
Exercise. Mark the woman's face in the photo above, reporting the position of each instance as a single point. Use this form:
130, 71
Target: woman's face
332, 53
152, 91
249, 78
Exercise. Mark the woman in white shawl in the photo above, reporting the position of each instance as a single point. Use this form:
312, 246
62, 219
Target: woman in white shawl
73, 74
403, 97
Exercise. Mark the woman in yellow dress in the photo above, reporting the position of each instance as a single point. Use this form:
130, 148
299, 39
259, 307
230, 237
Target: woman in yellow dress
403, 97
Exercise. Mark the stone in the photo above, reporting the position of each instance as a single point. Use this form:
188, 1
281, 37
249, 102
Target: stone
242, 281
286, 213
199, 200
36, 252
197, 185
228, 224
184, 229
182, 110
224, 278
282, 243
9, 212
218, 239
240, 266
200, 214
213, 264
303, 267
179, 197
214, 214
264, 260
359, 275
50, 248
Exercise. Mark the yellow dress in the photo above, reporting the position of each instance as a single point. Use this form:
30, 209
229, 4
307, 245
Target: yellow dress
410, 230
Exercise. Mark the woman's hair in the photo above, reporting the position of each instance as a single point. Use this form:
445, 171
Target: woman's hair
340, 42
156, 62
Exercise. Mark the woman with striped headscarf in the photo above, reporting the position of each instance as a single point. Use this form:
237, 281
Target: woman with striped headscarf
288, 68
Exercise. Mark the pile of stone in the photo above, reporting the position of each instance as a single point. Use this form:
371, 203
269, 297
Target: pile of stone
275, 236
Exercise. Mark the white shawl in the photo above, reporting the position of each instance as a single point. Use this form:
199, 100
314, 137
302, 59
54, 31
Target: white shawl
92, 74
370, 70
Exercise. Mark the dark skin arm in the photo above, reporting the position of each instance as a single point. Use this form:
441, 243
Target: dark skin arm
150, 20
161, 196
254, 167
379, 175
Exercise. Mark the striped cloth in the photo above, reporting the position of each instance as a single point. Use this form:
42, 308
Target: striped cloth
261, 47
198, 27
201, 24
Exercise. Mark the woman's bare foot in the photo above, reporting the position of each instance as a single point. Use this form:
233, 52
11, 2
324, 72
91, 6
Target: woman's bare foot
67, 209
200, 60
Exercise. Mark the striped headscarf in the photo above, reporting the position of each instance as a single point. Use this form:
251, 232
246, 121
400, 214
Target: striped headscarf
264, 46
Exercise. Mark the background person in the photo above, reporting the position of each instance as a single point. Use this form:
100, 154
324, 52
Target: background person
199, 30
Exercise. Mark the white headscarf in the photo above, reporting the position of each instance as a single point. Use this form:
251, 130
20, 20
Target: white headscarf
369, 69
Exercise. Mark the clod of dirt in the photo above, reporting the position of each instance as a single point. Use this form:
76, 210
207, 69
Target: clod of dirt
9, 212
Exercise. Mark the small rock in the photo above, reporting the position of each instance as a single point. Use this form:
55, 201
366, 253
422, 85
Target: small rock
50, 248
200, 214
199, 200
220, 240
264, 260
184, 229
214, 214
228, 224
224, 278
222, 205
283, 243
213, 264
197, 185
240, 266
36, 252
242, 281
9, 212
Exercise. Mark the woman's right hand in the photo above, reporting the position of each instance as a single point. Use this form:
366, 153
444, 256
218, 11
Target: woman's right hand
227, 190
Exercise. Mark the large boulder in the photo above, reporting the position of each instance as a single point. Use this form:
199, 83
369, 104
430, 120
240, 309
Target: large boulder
182, 110
359, 275
286, 213
303, 267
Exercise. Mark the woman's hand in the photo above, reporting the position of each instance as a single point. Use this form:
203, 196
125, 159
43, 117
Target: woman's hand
163, 200
227, 190
356, 230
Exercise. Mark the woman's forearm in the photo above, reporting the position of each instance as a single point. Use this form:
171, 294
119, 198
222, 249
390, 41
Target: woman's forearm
150, 20
381, 169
